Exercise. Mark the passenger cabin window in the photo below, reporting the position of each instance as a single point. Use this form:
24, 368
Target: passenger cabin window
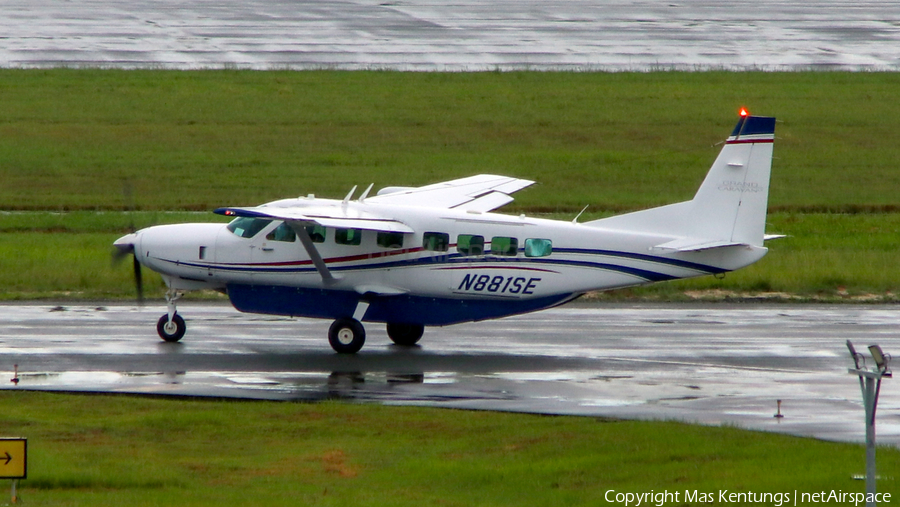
467, 244
348, 236
316, 233
504, 246
282, 233
390, 239
247, 227
538, 247
436, 241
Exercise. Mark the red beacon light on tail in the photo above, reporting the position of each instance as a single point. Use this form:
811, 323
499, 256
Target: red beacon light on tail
744, 112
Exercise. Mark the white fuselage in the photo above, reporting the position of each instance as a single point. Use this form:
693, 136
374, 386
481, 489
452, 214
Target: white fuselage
435, 255
580, 257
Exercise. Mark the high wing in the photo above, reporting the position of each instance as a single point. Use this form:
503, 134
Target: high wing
482, 193
326, 216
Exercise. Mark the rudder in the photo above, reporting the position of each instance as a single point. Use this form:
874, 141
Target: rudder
732, 201
729, 208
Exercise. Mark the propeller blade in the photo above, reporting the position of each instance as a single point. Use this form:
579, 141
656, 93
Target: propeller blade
124, 247
121, 252
138, 281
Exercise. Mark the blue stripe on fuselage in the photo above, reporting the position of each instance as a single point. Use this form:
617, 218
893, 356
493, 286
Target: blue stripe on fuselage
455, 259
405, 309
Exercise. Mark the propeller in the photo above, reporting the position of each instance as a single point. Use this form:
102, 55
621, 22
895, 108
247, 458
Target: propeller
124, 248
125, 244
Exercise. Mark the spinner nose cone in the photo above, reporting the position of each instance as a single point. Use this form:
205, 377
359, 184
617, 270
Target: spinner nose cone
125, 246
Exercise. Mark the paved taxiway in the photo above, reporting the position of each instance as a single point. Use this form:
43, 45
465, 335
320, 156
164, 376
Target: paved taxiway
458, 35
712, 364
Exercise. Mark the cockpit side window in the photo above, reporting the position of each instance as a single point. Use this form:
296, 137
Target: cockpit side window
247, 227
282, 233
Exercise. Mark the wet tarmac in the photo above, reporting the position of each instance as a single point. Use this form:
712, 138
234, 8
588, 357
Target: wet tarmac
712, 364
460, 35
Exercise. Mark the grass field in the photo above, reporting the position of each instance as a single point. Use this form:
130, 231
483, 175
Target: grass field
116, 450
77, 147
827, 257
69, 139
80, 141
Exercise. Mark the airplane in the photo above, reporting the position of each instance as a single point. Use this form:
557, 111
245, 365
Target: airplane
435, 255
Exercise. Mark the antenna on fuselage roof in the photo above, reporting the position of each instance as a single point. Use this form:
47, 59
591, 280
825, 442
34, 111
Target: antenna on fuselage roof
347, 199
575, 220
365, 194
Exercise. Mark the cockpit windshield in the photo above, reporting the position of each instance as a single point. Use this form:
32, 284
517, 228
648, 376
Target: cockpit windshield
247, 227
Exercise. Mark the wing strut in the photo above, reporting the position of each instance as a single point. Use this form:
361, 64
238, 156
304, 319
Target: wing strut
310, 247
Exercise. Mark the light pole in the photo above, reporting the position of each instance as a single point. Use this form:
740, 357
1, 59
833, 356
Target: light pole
870, 384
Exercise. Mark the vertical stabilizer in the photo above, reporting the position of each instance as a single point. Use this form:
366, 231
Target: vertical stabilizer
729, 209
730, 205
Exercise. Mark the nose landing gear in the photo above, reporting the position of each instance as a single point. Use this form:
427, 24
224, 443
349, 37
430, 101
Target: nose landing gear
171, 330
171, 326
346, 335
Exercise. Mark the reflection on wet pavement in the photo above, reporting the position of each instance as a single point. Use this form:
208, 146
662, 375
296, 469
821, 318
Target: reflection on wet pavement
711, 364
465, 35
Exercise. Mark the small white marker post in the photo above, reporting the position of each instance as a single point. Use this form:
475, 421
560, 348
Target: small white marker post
870, 384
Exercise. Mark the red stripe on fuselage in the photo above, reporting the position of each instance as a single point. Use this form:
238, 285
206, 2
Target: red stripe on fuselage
349, 258
749, 141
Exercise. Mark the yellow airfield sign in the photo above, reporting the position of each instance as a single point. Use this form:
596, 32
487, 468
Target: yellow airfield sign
13, 457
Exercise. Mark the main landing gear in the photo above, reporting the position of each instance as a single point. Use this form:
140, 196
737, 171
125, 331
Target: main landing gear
346, 335
406, 335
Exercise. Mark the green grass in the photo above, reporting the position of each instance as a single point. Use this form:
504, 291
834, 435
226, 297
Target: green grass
69, 255
826, 256
116, 450
831, 257
88, 141
73, 139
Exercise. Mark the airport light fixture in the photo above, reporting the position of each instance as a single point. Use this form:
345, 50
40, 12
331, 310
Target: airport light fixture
880, 360
870, 384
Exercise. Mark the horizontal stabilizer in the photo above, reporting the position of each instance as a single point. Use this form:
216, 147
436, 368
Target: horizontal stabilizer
695, 245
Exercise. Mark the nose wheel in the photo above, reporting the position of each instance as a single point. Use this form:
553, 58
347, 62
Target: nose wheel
171, 330
171, 326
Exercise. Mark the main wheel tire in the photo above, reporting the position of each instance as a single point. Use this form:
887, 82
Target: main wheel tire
171, 331
405, 334
346, 336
